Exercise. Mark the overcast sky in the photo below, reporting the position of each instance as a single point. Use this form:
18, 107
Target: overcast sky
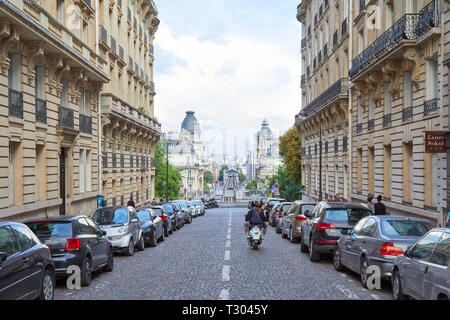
233, 62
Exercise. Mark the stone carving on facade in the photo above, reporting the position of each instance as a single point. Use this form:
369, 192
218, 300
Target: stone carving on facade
412, 55
375, 83
35, 56
11, 43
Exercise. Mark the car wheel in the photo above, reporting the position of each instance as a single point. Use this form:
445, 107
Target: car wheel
130, 250
337, 260
110, 266
141, 243
291, 236
278, 230
364, 276
313, 255
153, 241
162, 237
303, 247
283, 235
86, 272
47, 286
397, 293
166, 231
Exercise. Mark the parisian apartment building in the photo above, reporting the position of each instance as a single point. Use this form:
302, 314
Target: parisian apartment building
382, 122
62, 101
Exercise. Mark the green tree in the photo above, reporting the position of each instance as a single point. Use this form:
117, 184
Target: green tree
222, 170
288, 189
252, 184
208, 176
206, 188
242, 177
160, 179
290, 150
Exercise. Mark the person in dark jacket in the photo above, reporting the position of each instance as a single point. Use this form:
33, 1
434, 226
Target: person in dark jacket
131, 203
255, 217
380, 208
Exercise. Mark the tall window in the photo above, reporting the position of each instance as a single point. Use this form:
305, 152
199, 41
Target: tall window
360, 109
336, 179
345, 182
60, 11
432, 80
64, 92
387, 98
39, 81
371, 106
11, 174
408, 89
85, 33
389, 14
14, 71
83, 104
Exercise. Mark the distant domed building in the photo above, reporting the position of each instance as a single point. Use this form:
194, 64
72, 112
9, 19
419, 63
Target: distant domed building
185, 154
267, 152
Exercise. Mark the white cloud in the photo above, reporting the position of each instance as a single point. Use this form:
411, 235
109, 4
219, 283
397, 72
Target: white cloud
232, 84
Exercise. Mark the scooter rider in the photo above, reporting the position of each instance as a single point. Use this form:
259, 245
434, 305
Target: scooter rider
255, 217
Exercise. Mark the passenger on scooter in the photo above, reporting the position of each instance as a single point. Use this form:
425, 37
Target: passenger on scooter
255, 217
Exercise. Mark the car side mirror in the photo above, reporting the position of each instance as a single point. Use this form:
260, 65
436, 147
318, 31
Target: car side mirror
3, 257
408, 252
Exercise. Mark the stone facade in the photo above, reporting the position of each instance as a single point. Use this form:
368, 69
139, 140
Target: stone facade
267, 154
398, 89
323, 120
50, 78
129, 130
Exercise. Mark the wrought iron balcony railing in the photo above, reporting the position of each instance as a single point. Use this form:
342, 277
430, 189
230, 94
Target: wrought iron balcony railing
430, 106
41, 110
371, 124
403, 29
359, 127
15, 103
340, 87
362, 5
387, 119
66, 118
344, 27
303, 43
428, 19
407, 114
85, 124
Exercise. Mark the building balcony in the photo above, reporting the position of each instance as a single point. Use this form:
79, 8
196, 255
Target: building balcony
15, 103
85, 124
430, 107
387, 120
339, 90
362, 5
428, 19
403, 30
407, 114
66, 118
103, 40
41, 110
344, 27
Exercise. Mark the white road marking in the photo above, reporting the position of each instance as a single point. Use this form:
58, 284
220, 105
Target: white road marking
227, 255
228, 244
229, 236
343, 274
376, 297
347, 292
224, 294
226, 273
229, 230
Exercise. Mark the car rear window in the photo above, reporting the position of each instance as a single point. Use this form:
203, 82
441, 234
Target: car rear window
143, 215
110, 216
394, 228
345, 216
307, 207
272, 202
158, 211
183, 205
50, 228
286, 207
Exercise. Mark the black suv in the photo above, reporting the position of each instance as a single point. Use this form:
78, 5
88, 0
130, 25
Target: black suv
74, 240
169, 207
26, 268
321, 231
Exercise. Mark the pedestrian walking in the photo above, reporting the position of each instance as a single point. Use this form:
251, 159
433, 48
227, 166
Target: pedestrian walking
369, 204
380, 208
131, 203
447, 221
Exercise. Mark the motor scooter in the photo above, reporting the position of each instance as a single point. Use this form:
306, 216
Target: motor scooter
255, 237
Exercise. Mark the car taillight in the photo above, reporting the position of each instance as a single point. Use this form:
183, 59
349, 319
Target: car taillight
73, 244
279, 216
301, 218
388, 249
323, 226
163, 217
48, 249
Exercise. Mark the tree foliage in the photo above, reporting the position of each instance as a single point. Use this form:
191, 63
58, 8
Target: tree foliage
252, 184
222, 170
288, 189
208, 177
242, 177
174, 175
290, 150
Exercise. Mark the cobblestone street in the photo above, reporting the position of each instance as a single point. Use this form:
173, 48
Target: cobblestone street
209, 259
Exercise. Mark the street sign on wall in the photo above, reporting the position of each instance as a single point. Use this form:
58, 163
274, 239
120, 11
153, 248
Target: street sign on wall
435, 141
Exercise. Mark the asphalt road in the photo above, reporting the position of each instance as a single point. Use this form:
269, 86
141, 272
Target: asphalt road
210, 259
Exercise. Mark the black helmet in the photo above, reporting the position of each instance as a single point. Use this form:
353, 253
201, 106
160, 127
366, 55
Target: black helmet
252, 204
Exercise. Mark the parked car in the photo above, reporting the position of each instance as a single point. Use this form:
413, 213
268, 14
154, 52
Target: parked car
319, 234
270, 203
186, 211
26, 268
213, 203
292, 222
166, 219
273, 213
168, 207
179, 213
282, 211
122, 227
423, 272
199, 203
152, 226
74, 240
377, 240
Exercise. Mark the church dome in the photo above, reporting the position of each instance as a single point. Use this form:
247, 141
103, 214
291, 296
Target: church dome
265, 130
190, 123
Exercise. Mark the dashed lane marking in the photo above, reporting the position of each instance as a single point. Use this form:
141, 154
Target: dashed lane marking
347, 292
376, 297
227, 255
228, 244
226, 273
229, 236
224, 294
